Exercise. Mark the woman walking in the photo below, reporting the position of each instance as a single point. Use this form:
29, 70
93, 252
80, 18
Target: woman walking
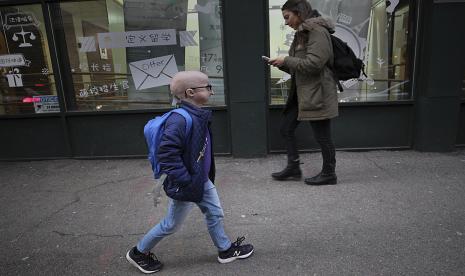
313, 93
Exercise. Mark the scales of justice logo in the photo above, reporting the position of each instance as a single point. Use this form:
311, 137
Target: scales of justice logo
21, 20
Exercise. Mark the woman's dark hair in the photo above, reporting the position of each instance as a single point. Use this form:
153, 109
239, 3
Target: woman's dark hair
300, 7
303, 10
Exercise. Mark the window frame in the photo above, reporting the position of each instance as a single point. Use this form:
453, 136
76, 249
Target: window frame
67, 77
412, 40
51, 42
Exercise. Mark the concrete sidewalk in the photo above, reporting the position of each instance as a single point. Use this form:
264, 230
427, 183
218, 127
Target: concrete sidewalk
393, 213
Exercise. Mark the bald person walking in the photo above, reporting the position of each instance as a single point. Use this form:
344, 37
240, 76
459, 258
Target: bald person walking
188, 158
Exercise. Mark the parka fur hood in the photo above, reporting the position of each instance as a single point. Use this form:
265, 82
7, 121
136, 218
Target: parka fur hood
310, 23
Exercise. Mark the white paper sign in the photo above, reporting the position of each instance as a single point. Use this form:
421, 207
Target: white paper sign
392, 5
153, 72
87, 44
12, 60
137, 38
186, 38
46, 104
350, 83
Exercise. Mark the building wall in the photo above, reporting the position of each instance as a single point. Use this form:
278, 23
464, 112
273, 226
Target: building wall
439, 90
247, 123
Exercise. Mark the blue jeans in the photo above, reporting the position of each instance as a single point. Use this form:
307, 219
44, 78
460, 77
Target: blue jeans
177, 212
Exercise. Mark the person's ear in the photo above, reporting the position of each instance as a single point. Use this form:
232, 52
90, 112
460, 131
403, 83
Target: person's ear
189, 92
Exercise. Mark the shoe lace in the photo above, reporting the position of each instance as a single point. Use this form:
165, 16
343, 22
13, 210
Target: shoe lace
238, 242
151, 256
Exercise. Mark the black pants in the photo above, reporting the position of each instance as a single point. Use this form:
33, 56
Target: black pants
322, 133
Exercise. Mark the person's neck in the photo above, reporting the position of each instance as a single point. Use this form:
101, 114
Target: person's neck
192, 102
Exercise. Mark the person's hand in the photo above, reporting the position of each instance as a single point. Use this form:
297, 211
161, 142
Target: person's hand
277, 62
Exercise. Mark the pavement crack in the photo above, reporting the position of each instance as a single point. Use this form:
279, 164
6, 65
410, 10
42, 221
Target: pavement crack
137, 234
384, 169
76, 200
106, 183
47, 218
87, 235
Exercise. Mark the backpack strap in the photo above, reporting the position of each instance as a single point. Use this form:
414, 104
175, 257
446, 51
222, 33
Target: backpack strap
363, 70
152, 153
339, 86
330, 64
186, 116
335, 78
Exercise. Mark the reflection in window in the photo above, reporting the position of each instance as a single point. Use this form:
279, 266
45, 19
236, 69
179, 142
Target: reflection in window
123, 55
27, 83
376, 32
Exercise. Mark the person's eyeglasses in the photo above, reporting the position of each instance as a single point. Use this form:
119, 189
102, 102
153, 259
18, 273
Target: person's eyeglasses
208, 87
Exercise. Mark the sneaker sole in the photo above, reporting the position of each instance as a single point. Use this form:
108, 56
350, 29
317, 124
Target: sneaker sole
131, 261
228, 260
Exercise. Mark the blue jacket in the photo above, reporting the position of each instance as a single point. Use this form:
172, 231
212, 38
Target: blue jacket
178, 154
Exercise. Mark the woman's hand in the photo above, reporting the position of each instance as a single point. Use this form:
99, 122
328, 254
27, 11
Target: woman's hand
277, 62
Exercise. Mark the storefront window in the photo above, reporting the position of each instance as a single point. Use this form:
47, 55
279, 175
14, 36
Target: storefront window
377, 32
27, 82
123, 54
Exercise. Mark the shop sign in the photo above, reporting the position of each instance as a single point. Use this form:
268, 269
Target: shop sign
12, 60
20, 19
46, 104
137, 38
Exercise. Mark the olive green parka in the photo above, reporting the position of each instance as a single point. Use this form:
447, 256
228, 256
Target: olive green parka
313, 86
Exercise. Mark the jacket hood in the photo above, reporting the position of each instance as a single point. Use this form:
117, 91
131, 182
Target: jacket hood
204, 114
311, 23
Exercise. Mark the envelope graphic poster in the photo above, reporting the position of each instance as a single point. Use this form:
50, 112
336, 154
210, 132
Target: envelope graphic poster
153, 72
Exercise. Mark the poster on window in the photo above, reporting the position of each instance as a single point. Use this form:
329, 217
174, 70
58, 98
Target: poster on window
12, 60
153, 72
145, 15
46, 104
211, 53
137, 38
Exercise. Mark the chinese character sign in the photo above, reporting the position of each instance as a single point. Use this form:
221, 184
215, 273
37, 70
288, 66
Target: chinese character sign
137, 38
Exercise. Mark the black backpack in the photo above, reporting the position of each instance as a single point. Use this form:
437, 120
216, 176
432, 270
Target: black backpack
346, 65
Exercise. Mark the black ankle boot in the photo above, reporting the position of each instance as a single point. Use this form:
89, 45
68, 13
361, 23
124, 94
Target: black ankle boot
322, 179
291, 172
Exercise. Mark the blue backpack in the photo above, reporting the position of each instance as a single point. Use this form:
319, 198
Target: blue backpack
153, 131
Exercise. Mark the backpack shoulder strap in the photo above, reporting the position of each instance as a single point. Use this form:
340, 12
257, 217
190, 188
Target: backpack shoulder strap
186, 116
336, 46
